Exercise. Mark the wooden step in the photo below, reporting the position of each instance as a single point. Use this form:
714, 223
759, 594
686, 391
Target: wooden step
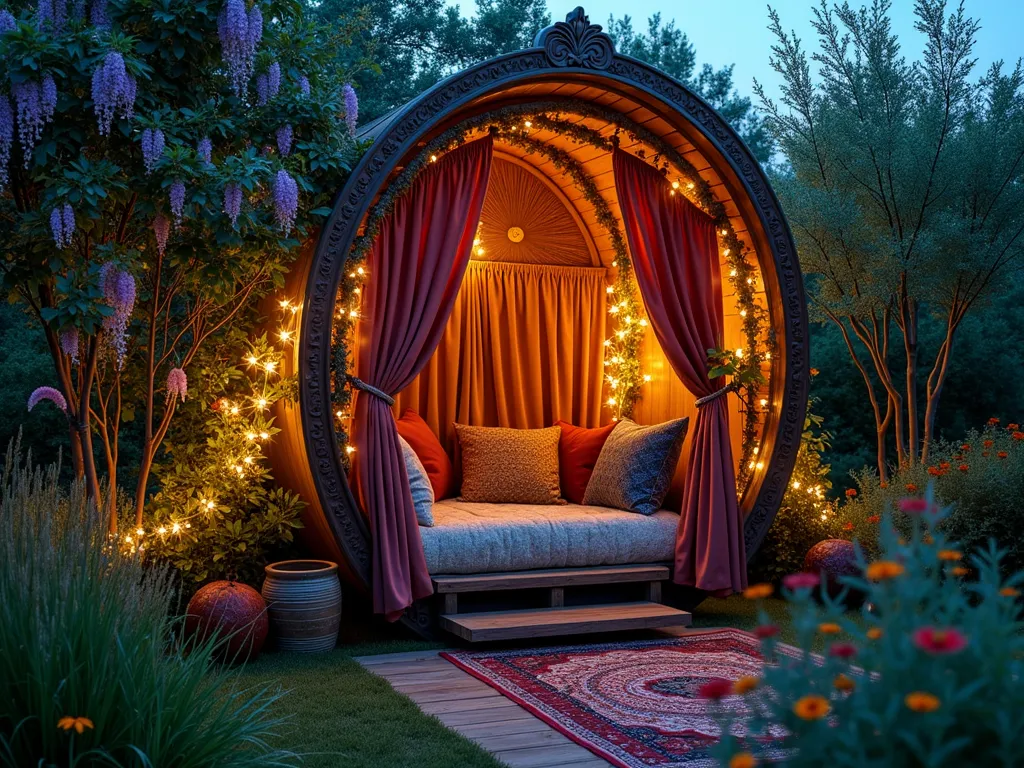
549, 622
552, 577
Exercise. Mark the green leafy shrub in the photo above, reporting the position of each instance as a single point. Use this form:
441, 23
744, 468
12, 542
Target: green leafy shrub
806, 516
218, 514
927, 673
980, 477
90, 670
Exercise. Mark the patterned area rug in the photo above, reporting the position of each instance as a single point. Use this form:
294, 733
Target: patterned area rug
634, 704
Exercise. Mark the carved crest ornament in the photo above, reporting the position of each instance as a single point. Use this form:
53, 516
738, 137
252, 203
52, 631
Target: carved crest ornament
576, 42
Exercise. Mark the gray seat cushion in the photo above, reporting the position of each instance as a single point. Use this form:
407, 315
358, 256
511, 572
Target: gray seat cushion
484, 538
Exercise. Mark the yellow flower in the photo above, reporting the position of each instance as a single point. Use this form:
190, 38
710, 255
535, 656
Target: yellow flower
742, 760
829, 628
958, 571
950, 554
922, 701
884, 569
843, 683
745, 684
874, 633
811, 707
758, 591
78, 723
1009, 592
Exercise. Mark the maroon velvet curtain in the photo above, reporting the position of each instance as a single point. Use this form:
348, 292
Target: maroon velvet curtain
675, 257
415, 270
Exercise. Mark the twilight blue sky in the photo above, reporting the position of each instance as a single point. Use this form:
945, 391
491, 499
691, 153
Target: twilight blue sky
735, 31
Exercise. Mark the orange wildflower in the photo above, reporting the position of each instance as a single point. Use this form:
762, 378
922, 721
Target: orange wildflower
965, 447
874, 519
843, 683
1002, 454
742, 760
884, 569
883, 484
943, 465
829, 628
922, 701
993, 421
989, 443
950, 554
745, 684
959, 571
874, 633
811, 707
911, 488
758, 591
1009, 592
78, 723
963, 467
815, 371
851, 492
847, 526
1018, 435
1013, 427
927, 539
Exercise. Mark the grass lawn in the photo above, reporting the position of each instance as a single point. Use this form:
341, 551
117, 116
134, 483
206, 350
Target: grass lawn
340, 714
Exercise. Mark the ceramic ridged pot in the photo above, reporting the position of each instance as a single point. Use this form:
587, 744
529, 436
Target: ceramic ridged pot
304, 603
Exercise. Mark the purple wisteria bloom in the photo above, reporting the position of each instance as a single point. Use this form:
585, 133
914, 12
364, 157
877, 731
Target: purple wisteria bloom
98, 14
273, 79
177, 198
62, 224
7, 21
52, 14
262, 90
286, 200
119, 292
6, 137
240, 33
205, 150
304, 85
284, 139
31, 115
152, 147
177, 385
161, 231
233, 202
113, 91
351, 108
47, 393
48, 97
69, 342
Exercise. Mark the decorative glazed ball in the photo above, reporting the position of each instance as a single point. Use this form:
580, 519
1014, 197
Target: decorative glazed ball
235, 612
831, 559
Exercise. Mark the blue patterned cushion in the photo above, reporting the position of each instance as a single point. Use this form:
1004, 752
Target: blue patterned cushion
419, 484
636, 465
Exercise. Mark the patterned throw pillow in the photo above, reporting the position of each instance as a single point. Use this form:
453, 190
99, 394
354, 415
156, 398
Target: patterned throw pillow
509, 466
636, 465
419, 484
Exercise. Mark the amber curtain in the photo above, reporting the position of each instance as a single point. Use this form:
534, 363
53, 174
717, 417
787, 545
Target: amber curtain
524, 346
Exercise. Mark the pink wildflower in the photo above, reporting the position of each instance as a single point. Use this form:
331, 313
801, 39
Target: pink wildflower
940, 641
804, 580
177, 385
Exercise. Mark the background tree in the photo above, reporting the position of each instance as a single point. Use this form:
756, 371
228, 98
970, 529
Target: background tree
171, 157
904, 192
669, 49
405, 46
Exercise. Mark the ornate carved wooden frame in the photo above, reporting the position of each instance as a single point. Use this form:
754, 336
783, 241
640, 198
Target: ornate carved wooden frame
569, 51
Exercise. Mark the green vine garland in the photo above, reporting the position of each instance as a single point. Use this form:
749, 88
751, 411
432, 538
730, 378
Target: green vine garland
507, 125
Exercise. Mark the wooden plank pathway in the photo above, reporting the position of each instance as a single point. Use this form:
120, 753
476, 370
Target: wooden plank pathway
479, 712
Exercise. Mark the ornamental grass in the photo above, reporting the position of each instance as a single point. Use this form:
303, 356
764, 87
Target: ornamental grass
91, 672
928, 672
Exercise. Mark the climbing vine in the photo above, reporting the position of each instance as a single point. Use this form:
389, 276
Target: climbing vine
515, 125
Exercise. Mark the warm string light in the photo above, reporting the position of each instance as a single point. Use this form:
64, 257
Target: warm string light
248, 418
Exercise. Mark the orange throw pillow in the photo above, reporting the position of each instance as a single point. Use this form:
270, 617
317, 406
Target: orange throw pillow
578, 449
428, 449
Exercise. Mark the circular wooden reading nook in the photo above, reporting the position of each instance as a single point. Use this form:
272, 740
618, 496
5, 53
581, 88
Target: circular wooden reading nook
552, 352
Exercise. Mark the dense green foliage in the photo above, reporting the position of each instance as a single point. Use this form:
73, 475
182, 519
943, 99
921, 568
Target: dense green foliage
86, 632
217, 514
928, 673
806, 515
904, 191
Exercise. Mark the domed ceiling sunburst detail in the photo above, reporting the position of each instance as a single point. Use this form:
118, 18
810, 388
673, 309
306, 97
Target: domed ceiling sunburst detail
524, 221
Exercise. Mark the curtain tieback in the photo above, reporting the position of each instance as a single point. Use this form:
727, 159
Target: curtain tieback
702, 401
362, 386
